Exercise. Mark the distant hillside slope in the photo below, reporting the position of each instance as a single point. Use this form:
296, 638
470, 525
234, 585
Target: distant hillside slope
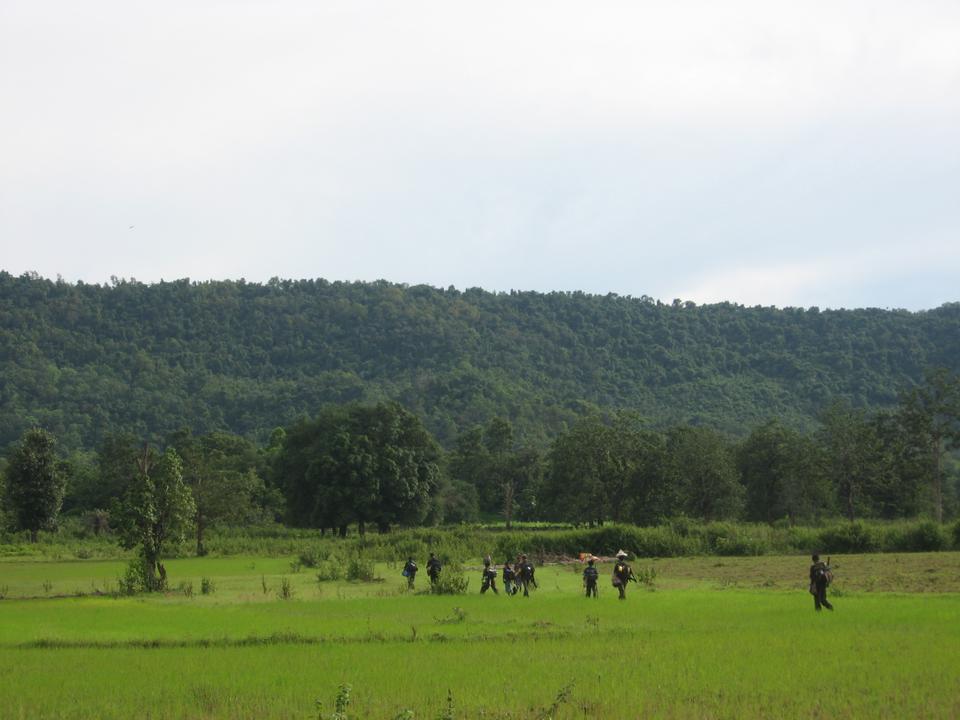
85, 359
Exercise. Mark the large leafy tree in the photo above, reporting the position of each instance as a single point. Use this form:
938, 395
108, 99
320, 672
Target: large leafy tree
359, 464
700, 465
930, 415
221, 471
506, 478
781, 472
901, 469
35, 483
852, 457
593, 470
155, 513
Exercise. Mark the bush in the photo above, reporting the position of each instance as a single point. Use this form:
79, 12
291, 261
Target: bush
134, 578
207, 587
329, 570
361, 570
855, 537
927, 536
452, 581
309, 557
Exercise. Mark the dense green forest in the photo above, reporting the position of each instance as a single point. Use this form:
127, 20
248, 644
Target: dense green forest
86, 360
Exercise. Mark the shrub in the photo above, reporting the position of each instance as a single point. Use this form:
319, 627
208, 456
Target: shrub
134, 578
207, 586
452, 581
855, 537
926, 536
285, 592
309, 557
956, 535
329, 570
186, 588
361, 570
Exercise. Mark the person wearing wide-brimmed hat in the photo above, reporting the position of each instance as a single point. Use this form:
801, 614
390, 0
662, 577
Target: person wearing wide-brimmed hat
622, 574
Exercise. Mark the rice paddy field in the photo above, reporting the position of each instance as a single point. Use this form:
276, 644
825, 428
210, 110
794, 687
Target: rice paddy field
706, 637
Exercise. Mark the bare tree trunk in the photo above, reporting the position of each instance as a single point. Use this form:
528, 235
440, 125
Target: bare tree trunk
508, 491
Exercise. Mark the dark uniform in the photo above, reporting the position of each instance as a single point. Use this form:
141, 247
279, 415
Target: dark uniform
509, 579
526, 572
489, 580
590, 576
819, 579
433, 568
410, 572
622, 574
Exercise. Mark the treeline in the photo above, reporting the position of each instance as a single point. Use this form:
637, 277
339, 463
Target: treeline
89, 361
359, 466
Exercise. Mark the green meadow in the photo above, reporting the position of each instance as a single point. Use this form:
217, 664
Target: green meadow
706, 637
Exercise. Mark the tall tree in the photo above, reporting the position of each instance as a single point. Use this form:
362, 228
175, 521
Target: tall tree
781, 472
702, 468
592, 469
901, 469
35, 484
155, 512
220, 470
852, 457
931, 416
117, 470
359, 464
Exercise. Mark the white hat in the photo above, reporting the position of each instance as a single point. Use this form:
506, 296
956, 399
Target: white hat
622, 553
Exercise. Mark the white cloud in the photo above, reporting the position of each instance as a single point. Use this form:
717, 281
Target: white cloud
831, 276
624, 146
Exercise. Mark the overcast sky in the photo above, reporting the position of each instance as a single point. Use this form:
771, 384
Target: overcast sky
774, 153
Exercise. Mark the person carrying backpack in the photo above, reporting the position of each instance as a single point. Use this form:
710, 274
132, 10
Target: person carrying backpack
489, 579
526, 571
410, 572
622, 574
509, 579
433, 569
820, 577
590, 576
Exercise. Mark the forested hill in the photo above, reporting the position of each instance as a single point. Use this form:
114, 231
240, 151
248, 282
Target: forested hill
82, 360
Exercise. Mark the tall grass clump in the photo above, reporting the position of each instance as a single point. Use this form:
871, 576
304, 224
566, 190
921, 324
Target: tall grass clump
452, 581
360, 569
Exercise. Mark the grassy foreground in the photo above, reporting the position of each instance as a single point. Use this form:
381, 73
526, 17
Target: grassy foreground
716, 637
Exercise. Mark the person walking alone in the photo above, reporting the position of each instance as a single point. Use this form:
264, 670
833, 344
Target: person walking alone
820, 577
590, 577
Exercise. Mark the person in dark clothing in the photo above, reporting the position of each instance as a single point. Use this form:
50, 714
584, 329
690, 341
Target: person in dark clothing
433, 569
489, 580
509, 579
590, 576
526, 572
410, 572
820, 576
622, 574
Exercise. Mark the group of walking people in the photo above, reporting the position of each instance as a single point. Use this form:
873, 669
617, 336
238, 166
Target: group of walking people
521, 575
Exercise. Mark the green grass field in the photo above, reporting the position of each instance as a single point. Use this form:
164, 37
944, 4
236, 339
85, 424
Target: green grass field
715, 637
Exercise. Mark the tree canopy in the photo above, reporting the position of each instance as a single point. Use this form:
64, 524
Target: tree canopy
86, 361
